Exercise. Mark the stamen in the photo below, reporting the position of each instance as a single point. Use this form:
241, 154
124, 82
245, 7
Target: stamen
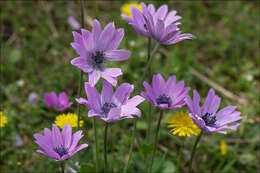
106, 108
164, 99
209, 119
97, 58
61, 150
145, 27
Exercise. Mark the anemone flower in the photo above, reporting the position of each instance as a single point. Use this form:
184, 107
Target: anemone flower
111, 106
95, 48
169, 95
159, 24
58, 103
58, 145
207, 117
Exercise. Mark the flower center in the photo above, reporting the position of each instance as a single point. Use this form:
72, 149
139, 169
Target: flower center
106, 108
209, 119
97, 58
164, 99
145, 27
61, 150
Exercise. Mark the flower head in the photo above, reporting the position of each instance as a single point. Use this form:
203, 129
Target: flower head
57, 103
126, 8
159, 24
169, 95
111, 106
58, 145
3, 119
69, 118
182, 125
207, 117
95, 48
223, 147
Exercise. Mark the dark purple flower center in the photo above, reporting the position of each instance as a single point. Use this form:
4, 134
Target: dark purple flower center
106, 108
164, 99
209, 119
61, 150
145, 27
97, 58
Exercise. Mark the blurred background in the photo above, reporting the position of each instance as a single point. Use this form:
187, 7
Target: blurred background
36, 55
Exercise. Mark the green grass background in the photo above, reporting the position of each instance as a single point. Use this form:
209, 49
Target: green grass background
35, 49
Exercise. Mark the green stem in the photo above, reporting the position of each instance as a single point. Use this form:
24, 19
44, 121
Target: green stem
96, 143
149, 76
62, 166
81, 72
155, 140
180, 156
194, 150
105, 148
131, 147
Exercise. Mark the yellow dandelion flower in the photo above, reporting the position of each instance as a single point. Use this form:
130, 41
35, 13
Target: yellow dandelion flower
18, 163
3, 119
69, 118
223, 147
182, 125
125, 9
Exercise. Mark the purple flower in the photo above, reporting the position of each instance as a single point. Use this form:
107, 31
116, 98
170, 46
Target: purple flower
58, 103
109, 106
207, 117
95, 48
169, 95
160, 24
58, 145
73, 22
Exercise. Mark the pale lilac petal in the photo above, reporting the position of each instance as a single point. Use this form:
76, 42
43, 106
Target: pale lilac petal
51, 98
118, 36
189, 104
117, 55
77, 38
84, 102
63, 98
111, 74
130, 20
96, 30
148, 98
56, 136
214, 105
66, 134
75, 139
93, 96
206, 106
161, 12
94, 77
159, 30
113, 115
170, 84
93, 113
158, 84
149, 90
107, 92
106, 36
82, 146
122, 93
223, 113
82, 64
196, 101
79, 49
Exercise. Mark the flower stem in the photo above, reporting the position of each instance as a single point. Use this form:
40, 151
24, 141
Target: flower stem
81, 72
62, 166
155, 140
194, 150
149, 76
105, 148
131, 147
180, 155
96, 145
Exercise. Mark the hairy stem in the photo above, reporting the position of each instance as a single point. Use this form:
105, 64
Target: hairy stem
62, 166
149, 76
194, 149
155, 140
96, 143
180, 155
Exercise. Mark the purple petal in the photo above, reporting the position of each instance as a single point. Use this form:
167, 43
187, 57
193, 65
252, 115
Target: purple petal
122, 93
113, 115
196, 102
118, 36
56, 136
206, 106
148, 98
161, 12
79, 49
130, 20
223, 113
84, 102
66, 134
111, 74
93, 97
63, 98
82, 146
214, 104
94, 77
159, 30
75, 139
170, 84
149, 90
106, 36
77, 38
96, 30
82, 64
170, 18
117, 55
107, 92
51, 98
189, 104
158, 84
